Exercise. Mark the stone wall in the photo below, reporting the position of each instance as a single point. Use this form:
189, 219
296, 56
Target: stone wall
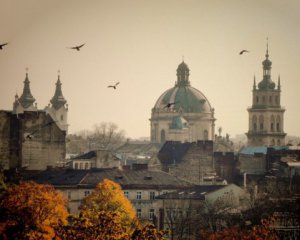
31, 140
196, 163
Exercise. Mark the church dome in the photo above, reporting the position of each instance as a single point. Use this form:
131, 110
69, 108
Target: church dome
183, 97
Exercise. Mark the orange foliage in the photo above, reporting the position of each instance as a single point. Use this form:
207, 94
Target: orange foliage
260, 232
108, 196
148, 231
29, 210
106, 225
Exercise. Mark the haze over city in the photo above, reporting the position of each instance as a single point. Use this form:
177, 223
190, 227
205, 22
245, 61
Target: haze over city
140, 44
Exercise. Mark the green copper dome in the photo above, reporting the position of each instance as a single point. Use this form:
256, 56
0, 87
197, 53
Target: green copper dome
183, 97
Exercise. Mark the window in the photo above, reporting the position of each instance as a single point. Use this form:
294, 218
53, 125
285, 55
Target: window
86, 165
162, 136
61, 117
139, 213
76, 165
205, 135
277, 127
261, 126
152, 195
81, 165
138, 195
69, 195
270, 99
126, 194
272, 127
86, 193
257, 99
151, 214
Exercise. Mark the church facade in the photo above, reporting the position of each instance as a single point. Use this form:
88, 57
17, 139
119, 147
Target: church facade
266, 116
33, 138
182, 113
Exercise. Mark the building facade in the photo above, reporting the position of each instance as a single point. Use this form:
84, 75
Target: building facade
182, 113
266, 116
31, 138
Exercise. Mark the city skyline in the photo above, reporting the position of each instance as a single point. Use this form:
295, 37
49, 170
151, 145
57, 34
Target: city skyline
140, 44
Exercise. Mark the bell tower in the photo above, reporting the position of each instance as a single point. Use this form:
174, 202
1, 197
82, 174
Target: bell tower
58, 109
266, 114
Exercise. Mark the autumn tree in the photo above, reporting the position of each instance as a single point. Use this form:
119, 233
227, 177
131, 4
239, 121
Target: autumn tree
261, 231
29, 210
108, 196
105, 225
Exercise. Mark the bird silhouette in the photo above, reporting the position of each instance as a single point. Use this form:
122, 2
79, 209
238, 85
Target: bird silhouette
170, 104
243, 51
77, 47
114, 86
2, 45
31, 135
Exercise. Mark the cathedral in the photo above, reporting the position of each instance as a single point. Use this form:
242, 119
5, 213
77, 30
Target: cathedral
182, 113
33, 138
266, 114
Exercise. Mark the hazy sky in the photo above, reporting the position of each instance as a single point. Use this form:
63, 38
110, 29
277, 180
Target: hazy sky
140, 43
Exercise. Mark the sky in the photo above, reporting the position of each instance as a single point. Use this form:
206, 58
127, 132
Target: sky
140, 44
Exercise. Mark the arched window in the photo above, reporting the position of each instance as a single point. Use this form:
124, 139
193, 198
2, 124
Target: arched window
254, 122
272, 123
257, 99
205, 135
264, 99
162, 136
261, 122
278, 124
278, 142
270, 99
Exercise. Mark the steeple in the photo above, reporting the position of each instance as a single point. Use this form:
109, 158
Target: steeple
26, 100
183, 73
254, 83
58, 99
266, 83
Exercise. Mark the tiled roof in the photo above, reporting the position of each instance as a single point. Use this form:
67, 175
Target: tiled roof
88, 155
138, 147
132, 179
59, 177
135, 178
197, 192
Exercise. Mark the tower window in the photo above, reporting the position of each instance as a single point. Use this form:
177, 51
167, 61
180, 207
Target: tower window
270, 99
254, 127
272, 127
257, 99
277, 127
261, 126
263, 99
276, 99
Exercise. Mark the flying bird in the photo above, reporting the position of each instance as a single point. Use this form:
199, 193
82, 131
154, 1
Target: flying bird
243, 51
170, 104
77, 47
2, 45
114, 86
31, 135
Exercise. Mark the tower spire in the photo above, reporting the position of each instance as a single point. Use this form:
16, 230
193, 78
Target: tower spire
278, 84
26, 98
254, 83
58, 99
